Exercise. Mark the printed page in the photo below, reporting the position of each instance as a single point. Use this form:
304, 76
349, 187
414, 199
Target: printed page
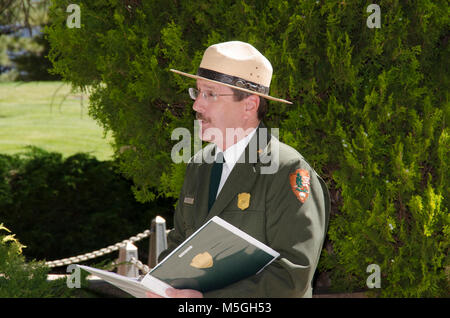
130, 285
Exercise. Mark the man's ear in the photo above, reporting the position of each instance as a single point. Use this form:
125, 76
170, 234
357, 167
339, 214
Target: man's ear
252, 103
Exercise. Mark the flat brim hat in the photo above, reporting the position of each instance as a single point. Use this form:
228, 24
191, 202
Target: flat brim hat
237, 65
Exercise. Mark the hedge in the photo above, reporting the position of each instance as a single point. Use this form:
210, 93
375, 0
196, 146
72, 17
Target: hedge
62, 207
21, 279
370, 112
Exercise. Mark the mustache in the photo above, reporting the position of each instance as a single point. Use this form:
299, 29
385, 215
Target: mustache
199, 116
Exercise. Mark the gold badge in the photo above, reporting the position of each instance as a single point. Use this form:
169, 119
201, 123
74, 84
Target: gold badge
243, 200
202, 260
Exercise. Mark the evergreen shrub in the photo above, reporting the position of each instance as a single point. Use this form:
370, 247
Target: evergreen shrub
370, 111
62, 207
19, 278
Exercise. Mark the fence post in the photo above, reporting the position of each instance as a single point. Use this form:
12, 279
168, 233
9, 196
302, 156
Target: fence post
158, 240
125, 254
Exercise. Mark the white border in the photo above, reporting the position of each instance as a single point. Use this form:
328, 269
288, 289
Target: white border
232, 229
245, 236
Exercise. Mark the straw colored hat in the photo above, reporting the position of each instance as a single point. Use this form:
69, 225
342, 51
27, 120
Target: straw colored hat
237, 65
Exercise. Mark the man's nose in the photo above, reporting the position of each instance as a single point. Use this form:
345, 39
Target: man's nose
198, 105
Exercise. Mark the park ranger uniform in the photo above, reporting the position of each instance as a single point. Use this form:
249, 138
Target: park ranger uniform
287, 210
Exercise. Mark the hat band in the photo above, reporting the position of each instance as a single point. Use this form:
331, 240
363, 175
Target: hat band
232, 80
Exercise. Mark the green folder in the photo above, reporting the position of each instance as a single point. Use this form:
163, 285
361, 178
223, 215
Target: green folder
216, 255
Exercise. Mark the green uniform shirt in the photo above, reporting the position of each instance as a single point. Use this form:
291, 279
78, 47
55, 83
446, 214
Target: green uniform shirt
288, 211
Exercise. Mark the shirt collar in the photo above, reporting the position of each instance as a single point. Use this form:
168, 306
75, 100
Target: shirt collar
234, 152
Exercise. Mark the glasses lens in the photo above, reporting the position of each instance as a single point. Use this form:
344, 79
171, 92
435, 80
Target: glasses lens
193, 93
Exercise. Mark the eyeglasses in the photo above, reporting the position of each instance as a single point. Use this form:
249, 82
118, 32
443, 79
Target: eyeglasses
207, 95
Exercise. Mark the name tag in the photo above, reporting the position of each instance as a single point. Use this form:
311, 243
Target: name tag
188, 200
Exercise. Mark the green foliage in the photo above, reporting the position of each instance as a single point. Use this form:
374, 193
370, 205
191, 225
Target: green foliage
33, 65
21, 279
27, 60
370, 111
23, 54
65, 207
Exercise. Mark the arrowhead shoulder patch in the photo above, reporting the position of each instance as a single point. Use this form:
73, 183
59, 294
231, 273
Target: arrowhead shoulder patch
299, 181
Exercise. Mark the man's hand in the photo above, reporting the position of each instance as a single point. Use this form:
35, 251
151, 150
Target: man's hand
178, 293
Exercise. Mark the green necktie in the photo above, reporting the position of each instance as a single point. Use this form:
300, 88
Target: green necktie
216, 174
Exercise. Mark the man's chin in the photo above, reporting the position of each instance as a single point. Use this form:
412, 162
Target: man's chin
202, 131
211, 134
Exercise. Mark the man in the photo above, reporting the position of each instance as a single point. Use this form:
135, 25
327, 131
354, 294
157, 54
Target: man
286, 204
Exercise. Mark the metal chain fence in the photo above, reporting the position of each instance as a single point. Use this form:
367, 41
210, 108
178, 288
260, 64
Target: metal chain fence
97, 253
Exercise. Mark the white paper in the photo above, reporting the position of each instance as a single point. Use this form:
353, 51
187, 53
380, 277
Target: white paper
130, 285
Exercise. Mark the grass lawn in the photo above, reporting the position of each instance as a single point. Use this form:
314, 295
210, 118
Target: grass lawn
49, 116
